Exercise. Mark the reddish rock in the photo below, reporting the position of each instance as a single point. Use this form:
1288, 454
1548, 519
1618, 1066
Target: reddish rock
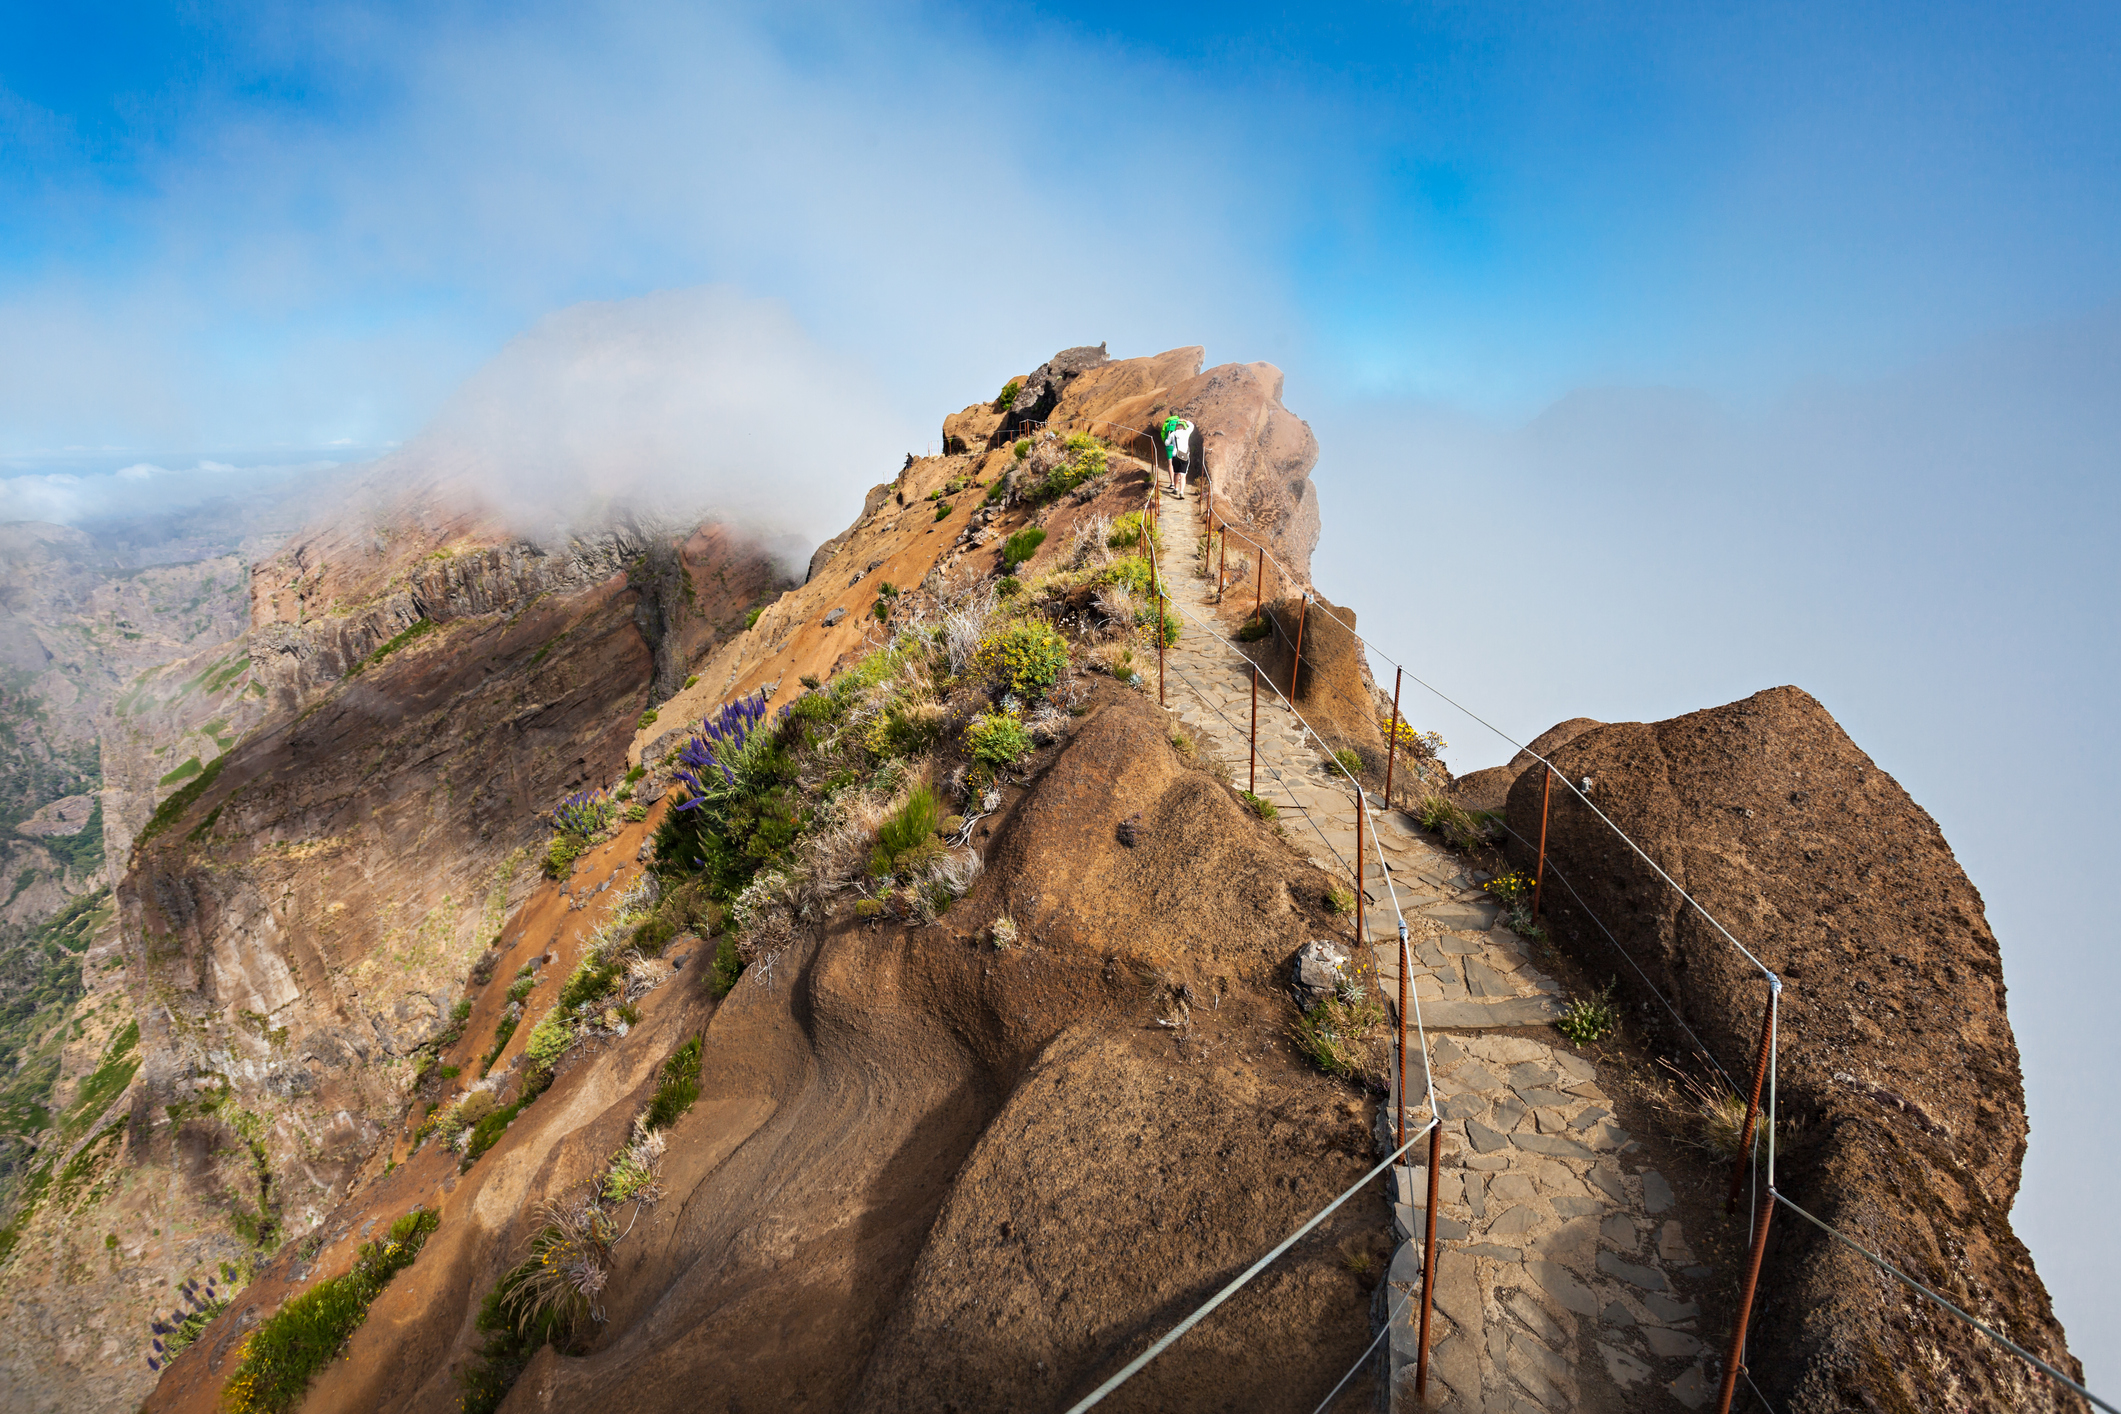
1902, 1104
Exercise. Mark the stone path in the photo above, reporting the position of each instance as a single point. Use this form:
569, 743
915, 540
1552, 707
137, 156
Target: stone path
1563, 1278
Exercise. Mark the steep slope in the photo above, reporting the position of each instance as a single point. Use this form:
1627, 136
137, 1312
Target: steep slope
363, 770
874, 1089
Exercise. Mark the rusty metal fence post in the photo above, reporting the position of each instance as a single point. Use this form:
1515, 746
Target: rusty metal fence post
1302, 611
1222, 560
1360, 911
1428, 1262
1259, 581
1392, 745
1252, 753
1752, 1104
1160, 622
1402, 1090
1546, 791
1733, 1364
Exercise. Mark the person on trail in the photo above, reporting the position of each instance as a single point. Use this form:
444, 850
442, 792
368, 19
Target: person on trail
1178, 446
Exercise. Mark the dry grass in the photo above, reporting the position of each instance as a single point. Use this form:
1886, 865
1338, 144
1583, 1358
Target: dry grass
1707, 1114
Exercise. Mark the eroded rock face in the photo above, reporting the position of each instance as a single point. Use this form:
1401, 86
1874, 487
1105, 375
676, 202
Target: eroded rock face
1904, 1113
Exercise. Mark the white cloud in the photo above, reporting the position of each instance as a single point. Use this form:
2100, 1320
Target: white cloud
668, 406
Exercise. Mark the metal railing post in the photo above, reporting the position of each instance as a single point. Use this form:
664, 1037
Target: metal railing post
1733, 1364
1223, 559
1392, 741
1546, 791
1252, 755
1259, 581
1428, 1262
1359, 909
1303, 608
1752, 1104
1159, 647
1404, 968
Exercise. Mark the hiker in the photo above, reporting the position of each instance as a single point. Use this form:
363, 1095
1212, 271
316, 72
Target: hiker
1178, 445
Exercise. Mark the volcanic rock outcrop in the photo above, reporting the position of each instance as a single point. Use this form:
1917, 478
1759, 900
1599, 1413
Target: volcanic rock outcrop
1903, 1113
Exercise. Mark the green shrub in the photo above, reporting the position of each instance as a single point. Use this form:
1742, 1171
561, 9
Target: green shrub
1168, 620
910, 826
648, 719
1339, 900
943, 509
1022, 546
997, 740
751, 618
1589, 1020
1261, 806
1009, 588
1022, 450
1252, 630
1128, 530
1006, 399
1026, 657
549, 1040
680, 1086
276, 1363
1132, 572
728, 965
1461, 828
487, 1132
905, 730
1350, 761
560, 856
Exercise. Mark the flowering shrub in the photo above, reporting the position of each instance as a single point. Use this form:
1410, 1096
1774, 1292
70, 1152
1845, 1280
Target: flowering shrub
1512, 890
997, 739
1405, 738
583, 814
1026, 658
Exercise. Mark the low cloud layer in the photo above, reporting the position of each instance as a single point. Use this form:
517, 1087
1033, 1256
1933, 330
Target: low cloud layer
140, 489
670, 407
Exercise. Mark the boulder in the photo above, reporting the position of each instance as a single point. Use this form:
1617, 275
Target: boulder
1321, 966
971, 430
1044, 386
1903, 1112
1489, 789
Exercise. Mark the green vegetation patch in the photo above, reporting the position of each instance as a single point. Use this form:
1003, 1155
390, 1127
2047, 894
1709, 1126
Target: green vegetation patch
419, 628
279, 1359
172, 810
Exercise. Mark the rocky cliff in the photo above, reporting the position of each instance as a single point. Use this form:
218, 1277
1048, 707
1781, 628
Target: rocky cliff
363, 765
1903, 1109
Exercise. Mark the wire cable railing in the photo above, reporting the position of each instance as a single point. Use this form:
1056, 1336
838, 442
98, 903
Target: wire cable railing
1767, 1069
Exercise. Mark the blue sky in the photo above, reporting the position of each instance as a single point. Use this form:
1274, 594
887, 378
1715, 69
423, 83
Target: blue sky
1658, 354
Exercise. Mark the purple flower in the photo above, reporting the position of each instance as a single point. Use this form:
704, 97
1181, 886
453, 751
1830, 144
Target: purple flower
152, 1364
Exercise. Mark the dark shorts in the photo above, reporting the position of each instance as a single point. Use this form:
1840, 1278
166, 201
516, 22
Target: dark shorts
1180, 467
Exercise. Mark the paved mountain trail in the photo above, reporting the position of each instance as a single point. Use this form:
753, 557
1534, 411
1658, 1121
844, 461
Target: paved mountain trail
1564, 1277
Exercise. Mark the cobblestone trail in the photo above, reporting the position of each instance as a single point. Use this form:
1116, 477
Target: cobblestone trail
1563, 1282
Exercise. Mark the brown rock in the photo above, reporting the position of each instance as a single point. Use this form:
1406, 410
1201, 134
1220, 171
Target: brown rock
1490, 789
971, 430
1904, 1114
